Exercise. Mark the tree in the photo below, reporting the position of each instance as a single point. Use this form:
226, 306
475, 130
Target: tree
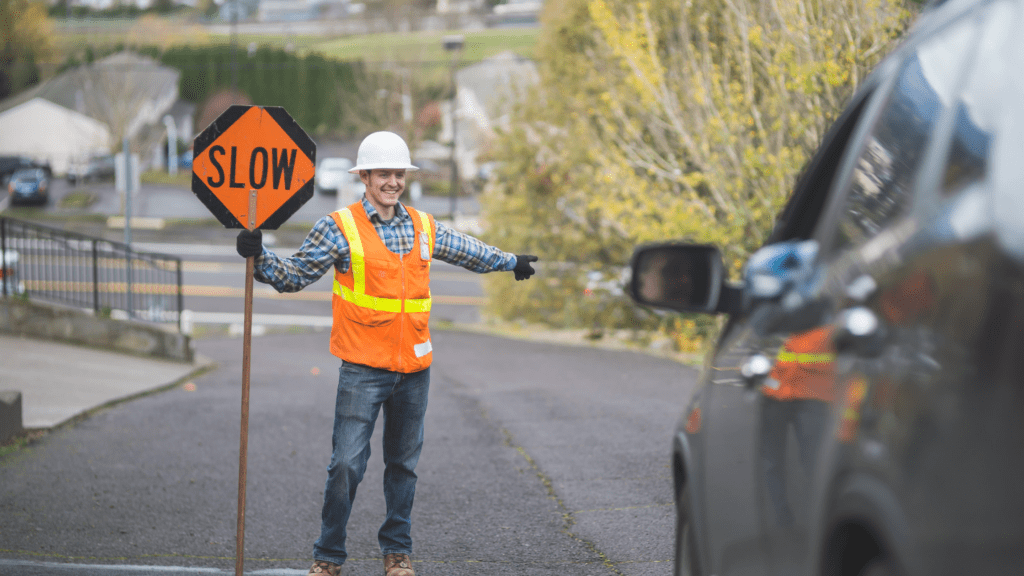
154, 31
672, 120
720, 102
163, 6
26, 34
206, 8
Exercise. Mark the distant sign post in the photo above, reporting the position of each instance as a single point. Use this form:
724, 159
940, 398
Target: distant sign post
253, 167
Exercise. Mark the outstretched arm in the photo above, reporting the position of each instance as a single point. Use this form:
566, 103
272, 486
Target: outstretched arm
324, 247
463, 250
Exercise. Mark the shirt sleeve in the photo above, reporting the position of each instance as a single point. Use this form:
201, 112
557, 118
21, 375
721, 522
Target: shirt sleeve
324, 247
463, 250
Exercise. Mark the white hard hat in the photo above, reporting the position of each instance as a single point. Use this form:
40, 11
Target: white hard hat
383, 150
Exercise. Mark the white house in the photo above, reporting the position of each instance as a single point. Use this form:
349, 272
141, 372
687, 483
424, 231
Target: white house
88, 110
48, 132
458, 6
486, 92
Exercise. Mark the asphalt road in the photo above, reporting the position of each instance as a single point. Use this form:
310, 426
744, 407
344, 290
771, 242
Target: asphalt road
539, 460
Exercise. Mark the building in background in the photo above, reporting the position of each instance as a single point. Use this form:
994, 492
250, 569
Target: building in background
459, 6
486, 92
87, 112
49, 133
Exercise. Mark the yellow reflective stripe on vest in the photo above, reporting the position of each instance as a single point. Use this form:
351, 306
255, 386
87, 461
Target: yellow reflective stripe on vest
430, 232
413, 306
805, 358
380, 304
357, 257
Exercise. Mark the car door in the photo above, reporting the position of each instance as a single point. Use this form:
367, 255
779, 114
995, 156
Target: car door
807, 400
732, 404
933, 423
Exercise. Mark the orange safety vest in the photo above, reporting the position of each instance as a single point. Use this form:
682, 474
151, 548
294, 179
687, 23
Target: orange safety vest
381, 305
805, 367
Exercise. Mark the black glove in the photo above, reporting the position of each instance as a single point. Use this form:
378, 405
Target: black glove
249, 243
523, 270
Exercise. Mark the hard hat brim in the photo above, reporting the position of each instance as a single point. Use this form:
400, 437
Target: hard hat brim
386, 166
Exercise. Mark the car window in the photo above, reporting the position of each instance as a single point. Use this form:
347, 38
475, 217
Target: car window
27, 175
966, 161
968, 152
798, 219
881, 184
1007, 155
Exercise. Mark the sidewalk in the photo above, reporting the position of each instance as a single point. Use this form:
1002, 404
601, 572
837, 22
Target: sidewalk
60, 381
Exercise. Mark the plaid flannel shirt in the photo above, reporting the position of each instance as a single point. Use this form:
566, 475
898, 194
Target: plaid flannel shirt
326, 246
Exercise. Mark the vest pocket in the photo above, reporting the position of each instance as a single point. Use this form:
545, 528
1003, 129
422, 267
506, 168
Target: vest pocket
420, 322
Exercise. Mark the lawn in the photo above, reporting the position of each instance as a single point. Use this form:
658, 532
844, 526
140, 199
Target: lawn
417, 48
426, 47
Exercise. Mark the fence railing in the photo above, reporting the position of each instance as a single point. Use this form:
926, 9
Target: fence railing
76, 270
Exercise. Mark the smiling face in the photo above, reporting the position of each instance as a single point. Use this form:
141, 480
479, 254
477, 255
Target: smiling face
383, 188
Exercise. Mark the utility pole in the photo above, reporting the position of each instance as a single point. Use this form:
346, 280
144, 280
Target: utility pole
126, 149
234, 47
172, 144
454, 45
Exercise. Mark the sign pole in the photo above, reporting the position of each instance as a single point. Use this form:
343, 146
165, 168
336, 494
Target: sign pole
243, 442
279, 158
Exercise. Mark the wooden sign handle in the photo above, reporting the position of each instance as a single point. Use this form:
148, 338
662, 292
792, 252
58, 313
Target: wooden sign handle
243, 442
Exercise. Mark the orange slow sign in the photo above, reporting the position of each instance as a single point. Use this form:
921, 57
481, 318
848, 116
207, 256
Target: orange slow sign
253, 148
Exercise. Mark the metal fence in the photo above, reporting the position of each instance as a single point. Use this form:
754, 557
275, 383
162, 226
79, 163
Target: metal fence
72, 269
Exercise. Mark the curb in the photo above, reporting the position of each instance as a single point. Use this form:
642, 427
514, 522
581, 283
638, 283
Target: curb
11, 414
576, 338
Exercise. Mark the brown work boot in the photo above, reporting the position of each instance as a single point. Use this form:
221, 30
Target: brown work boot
324, 567
398, 565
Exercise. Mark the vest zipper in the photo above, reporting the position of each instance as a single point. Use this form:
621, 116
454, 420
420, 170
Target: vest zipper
401, 315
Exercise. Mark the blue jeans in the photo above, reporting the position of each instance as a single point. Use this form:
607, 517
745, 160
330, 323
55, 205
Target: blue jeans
808, 418
362, 392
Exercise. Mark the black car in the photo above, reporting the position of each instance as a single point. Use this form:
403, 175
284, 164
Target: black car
11, 164
863, 410
30, 186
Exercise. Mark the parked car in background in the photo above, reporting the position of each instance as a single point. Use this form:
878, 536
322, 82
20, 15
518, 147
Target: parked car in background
93, 169
517, 11
11, 164
863, 410
332, 177
30, 186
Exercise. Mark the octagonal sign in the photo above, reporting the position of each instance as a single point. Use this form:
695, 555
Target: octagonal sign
250, 148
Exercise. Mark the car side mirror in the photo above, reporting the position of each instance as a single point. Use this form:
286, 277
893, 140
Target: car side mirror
681, 277
782, 288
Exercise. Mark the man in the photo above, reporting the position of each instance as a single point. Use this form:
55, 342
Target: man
380, 251
797, 393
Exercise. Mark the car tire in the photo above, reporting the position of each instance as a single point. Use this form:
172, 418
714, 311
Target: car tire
686, 563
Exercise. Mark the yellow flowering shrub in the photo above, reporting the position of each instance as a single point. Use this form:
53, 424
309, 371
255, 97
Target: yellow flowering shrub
668, 119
